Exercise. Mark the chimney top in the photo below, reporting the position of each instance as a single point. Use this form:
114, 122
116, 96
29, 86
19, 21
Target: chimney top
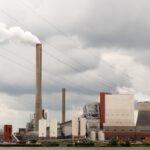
38, 44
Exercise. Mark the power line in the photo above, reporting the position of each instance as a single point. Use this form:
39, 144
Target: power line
26, 27
78, 62
45, 71
64, 33
68, 37
103, 80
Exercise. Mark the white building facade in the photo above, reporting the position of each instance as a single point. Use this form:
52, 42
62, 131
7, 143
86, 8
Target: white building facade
119, 110
42, 128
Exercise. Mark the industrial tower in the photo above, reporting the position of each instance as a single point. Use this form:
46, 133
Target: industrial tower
38, 95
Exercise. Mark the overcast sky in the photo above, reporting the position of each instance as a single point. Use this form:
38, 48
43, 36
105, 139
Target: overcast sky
88, 46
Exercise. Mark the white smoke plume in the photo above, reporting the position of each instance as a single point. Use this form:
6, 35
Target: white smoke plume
16, 34
138, 96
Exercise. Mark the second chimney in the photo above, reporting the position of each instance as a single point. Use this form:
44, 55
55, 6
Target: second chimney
63, 105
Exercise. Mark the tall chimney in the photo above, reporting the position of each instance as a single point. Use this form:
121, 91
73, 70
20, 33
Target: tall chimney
63, 105
38, 97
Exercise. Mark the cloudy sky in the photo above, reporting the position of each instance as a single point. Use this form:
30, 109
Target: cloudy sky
88, 46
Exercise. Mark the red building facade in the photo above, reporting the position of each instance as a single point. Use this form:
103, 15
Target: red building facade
102, 109
7, 133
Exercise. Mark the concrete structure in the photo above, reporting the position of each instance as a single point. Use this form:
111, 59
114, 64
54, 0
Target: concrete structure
102, 109
101, 136
121, 132
93, 136
91, 110
83, 127
53, 129
143, 120
42, 128
38, 96
143, 106
92, 125
63, 105
75, 126
66, 129
1, 133
119, 110
22, 131
92, 115
117, 115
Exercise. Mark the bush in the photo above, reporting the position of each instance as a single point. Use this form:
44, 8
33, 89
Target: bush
114, 142
33, 141
125, 144
51, 144
146, 143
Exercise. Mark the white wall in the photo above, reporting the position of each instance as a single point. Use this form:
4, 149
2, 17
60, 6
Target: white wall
67, 130
75, 126
53, 128
119, 110
42, 128
82, 126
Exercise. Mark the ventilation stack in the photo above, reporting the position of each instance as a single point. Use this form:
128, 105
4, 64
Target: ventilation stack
63, 105
38, 96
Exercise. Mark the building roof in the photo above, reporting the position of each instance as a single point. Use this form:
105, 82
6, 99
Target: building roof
67, 122
145, 106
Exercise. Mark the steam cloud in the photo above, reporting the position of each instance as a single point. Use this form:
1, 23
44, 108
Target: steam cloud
16, 34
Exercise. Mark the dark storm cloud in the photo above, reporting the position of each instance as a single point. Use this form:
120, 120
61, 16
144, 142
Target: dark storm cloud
14, 89
129, 36
115, 24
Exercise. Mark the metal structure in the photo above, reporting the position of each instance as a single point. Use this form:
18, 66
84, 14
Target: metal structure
91, 110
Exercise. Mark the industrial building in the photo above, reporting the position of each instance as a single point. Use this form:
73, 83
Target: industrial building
104, 119
112, 116
65, 129
82, 126
117, 115
143, 120
7, 133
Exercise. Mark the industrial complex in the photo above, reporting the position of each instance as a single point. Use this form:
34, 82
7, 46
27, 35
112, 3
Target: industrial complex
112, 116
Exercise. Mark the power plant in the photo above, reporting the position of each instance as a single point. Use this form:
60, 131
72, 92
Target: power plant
112, 116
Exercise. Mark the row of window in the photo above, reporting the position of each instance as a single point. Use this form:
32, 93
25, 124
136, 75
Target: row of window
119, 130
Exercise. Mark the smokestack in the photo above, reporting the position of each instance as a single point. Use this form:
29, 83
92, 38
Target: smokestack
102, 109
63, 105
38, 97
